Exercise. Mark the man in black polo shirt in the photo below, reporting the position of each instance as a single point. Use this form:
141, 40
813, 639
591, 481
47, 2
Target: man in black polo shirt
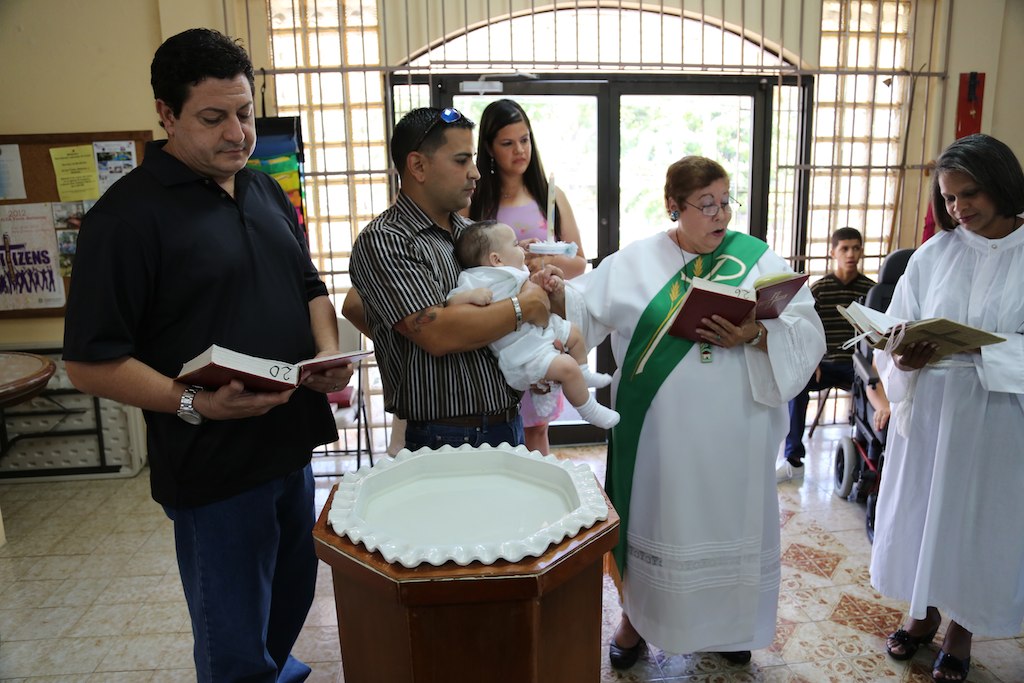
436, 370
187, 250
844, 285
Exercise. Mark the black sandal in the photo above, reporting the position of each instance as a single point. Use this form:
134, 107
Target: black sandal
623, 658
738, 657
948, 665
909, 644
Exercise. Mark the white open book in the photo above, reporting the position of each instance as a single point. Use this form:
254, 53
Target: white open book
217, 366
879, 328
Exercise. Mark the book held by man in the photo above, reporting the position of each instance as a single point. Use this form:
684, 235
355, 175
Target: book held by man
770, 295
877, 328
217, 366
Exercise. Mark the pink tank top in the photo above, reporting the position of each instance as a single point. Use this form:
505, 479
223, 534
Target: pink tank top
526, 220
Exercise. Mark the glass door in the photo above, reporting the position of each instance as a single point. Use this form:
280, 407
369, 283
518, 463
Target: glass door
657, 130
565, 134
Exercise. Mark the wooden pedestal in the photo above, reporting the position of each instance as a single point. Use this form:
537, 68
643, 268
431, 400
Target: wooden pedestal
533, 621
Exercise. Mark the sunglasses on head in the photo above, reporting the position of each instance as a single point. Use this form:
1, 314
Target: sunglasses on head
447, 115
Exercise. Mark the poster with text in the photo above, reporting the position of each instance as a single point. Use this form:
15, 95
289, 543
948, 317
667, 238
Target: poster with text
113, 161
12, 178
29, 263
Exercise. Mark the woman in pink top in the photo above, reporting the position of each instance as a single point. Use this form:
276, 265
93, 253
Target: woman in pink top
514, 189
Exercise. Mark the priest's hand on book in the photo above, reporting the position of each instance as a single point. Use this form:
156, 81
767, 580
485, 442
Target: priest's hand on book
915, 356
720, 332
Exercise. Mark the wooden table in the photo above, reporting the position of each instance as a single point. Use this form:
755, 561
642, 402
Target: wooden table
22, 376
533, 621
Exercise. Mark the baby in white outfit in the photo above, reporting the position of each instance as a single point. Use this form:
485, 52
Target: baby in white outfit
495, 269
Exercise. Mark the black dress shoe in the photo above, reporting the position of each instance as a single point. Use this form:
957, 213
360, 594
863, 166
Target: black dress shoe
625, 657
738, 657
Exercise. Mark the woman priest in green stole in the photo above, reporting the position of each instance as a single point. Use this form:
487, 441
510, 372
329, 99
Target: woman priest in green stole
692, 463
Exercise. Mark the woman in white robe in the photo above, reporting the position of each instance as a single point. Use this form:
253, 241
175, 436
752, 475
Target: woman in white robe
951, 506
700, 531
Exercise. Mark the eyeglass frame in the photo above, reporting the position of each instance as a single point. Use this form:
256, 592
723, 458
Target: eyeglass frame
724, 206
442, 115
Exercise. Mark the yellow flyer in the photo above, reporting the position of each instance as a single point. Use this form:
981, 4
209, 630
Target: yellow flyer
75, 168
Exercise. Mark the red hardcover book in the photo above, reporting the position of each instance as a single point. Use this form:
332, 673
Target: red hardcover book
774, 292
704, 299
217, 366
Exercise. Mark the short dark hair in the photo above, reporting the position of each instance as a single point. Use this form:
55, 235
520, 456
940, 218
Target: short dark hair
188, 58
474, 243
846, 234
688, 175
991, 164
409, 132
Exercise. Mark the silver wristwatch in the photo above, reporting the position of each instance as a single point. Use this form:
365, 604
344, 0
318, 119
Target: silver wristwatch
186, 409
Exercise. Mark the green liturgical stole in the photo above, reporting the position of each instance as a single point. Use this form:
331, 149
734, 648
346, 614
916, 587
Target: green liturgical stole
653, 354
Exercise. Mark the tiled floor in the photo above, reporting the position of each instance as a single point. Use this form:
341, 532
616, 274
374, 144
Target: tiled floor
89, 592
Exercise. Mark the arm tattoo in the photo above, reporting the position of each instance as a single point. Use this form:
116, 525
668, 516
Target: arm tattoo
420, 320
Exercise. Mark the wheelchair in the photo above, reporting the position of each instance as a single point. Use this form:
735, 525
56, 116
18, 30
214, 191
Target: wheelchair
858, 458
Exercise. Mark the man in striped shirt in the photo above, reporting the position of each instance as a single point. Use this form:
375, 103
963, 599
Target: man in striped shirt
842, 286
437, 371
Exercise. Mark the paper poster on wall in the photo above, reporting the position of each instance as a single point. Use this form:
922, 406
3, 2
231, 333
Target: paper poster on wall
113, 161
12, 178
67, 219
75, 168
29, 264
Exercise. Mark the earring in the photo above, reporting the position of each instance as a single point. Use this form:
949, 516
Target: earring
492, 165
673, 215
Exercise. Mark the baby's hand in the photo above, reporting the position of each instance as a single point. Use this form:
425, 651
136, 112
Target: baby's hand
550, 278
481, 296
554, 284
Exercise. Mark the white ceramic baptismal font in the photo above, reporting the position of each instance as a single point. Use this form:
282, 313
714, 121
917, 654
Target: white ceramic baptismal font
466, 504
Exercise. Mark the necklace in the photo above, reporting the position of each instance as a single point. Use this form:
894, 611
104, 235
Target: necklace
511, 195
675, 241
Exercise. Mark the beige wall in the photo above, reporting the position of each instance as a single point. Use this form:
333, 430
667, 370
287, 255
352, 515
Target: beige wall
83, 65
69, 66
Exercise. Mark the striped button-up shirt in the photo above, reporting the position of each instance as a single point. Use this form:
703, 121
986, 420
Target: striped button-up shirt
403, 263
830, 292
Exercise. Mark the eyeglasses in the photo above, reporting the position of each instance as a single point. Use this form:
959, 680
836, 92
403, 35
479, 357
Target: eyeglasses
711, 210
448, 115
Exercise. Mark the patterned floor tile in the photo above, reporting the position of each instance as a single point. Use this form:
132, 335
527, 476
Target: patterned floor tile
866, 616
812, 560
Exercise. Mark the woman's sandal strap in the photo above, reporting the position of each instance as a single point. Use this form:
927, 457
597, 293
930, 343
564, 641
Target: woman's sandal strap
908, 643
948, 665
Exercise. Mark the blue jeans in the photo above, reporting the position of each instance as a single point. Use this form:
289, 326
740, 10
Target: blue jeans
433, 435
833, 374
248, 568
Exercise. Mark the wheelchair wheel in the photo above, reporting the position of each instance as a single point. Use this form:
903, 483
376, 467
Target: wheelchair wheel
869, 518
846, 464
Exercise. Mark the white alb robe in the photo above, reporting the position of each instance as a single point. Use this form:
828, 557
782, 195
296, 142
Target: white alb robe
951, 505
703, 559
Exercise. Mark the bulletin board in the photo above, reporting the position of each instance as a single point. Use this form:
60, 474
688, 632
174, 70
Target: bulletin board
40, 181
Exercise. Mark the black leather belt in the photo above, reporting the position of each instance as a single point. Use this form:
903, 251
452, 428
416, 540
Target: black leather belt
474, 421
